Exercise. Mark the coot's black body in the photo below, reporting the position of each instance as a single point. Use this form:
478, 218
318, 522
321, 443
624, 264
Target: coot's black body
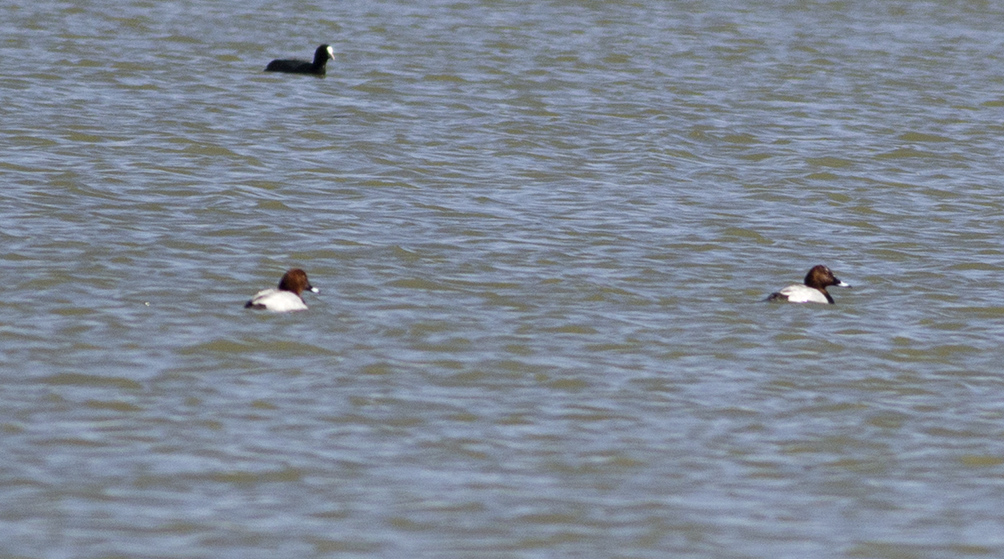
317, 67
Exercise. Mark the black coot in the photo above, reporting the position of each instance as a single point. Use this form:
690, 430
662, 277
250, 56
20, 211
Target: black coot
321, 57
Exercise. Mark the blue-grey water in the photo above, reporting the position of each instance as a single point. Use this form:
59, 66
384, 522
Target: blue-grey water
543, 233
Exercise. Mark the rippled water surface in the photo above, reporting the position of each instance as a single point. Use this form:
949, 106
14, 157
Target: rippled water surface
543, 233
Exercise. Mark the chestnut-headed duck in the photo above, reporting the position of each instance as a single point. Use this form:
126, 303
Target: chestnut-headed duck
286, 297
813, 291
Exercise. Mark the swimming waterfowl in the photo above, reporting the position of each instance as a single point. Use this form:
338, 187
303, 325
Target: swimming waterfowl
317, 67
813, 290
286, 297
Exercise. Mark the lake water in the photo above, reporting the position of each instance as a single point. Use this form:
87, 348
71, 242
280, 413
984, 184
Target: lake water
543, 233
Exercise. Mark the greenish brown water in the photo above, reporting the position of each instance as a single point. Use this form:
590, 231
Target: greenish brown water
542, 234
